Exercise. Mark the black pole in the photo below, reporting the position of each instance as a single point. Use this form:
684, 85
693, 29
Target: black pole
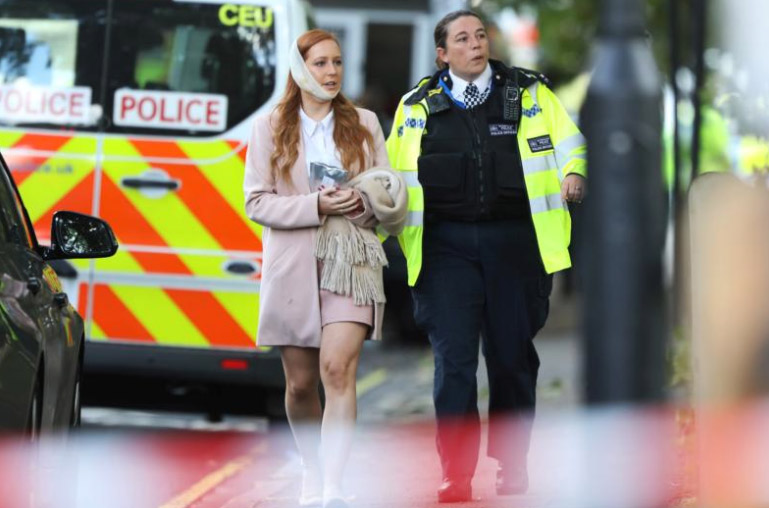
624, 211
675, 64
677, 195
700, 18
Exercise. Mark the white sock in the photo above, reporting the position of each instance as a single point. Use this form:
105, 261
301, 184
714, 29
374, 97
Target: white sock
312, 484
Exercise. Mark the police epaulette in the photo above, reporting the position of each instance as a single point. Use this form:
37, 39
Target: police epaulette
421, 90
437, 102
536, 75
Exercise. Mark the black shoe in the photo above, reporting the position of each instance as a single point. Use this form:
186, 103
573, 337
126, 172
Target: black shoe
512, 480
455, 490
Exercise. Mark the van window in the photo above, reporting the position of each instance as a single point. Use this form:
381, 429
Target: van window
50, 64
186, 68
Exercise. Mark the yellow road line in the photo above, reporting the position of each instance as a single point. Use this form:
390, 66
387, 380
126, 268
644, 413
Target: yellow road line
210, 481
371, 381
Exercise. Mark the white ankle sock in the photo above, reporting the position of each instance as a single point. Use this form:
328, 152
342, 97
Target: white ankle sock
312, 486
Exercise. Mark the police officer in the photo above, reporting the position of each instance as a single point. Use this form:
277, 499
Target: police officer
490, 157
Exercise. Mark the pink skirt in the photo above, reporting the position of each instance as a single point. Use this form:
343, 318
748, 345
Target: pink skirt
336, 308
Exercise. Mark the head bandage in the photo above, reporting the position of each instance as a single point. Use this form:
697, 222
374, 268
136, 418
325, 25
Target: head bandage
304, 78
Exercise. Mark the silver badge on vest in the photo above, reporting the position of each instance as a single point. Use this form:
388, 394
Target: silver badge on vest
501, 129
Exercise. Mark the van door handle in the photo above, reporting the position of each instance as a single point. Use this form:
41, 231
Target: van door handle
34, 285
144, 183
153, 183
240, 267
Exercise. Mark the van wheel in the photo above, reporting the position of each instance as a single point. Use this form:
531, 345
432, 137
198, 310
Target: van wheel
35, 416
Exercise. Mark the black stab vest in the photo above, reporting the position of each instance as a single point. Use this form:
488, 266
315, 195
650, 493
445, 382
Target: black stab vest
470, 168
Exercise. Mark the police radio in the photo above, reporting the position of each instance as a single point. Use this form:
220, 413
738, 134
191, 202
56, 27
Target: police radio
512, 107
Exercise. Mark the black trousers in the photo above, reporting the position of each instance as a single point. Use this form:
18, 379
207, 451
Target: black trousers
482, 282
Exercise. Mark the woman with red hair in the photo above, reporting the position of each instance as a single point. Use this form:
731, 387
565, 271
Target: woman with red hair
319, 332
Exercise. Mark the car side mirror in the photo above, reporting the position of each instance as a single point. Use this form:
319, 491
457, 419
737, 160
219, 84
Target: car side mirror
75, 235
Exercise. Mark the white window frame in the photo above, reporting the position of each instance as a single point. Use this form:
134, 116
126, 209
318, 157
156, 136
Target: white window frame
354, 23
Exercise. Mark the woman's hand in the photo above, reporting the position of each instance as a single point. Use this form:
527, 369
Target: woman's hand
573, 188
333, 201
359, 206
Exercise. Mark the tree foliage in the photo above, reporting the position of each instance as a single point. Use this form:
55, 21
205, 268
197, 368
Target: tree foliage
567, 30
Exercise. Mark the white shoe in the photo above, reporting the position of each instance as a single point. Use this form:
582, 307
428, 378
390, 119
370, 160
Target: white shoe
312, 487
336, 502
310, 501
334, 498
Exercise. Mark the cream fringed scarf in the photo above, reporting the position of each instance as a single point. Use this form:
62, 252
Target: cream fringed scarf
352, 254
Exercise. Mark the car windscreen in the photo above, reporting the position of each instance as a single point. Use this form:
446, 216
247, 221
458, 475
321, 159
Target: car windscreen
186, 68
50, 63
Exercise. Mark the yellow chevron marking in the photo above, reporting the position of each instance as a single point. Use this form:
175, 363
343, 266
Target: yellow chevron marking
206, 266
244, 309
122, 261
97, 333
81, 264
9, 138
168, 215
160, 316
44, 188
225, 175
79, 145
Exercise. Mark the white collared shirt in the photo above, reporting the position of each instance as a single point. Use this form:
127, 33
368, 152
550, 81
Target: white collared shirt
458, 84
318, 140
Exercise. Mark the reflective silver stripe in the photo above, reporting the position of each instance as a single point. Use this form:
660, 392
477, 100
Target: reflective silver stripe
538, 164
533, 91
415, 218
411, 178
171, 281
546, 203
565, 146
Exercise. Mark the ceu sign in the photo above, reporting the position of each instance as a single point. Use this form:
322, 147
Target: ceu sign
245, 15
52, 105
170, 110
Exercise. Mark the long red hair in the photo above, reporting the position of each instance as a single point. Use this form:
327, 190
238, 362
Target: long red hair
349, 134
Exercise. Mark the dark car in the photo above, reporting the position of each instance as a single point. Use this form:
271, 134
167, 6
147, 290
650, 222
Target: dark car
41, 334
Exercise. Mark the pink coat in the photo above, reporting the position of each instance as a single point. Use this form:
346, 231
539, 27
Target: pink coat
289, 302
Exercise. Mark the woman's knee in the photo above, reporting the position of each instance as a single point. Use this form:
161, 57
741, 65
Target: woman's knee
302, 386
337, 374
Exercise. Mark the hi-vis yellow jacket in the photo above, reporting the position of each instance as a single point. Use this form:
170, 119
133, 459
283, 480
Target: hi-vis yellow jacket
542, 115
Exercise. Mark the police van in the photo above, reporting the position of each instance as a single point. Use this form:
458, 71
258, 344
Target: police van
138, 112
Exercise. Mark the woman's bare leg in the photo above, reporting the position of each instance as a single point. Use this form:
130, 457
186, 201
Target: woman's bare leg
340, 349
301, 367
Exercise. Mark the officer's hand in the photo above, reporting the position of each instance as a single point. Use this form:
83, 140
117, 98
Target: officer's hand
573, 188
